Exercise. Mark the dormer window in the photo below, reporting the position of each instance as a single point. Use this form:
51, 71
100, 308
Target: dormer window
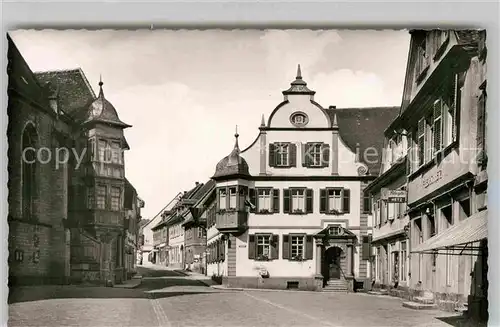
299, 119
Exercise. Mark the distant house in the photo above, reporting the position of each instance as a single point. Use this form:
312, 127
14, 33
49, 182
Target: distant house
146, 233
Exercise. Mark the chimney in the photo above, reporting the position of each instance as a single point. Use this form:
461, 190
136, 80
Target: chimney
332, 107
196, 183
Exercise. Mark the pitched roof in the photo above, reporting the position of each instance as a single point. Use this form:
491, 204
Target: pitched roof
363, 128
21, 77
101, 110
75, 92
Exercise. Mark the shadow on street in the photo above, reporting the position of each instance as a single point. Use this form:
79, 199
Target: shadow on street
155, 284
461, 321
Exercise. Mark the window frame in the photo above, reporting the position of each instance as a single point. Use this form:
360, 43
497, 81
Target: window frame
259, 205
282, 155
304, 197
101, 197
113, 197
301, 256
269, 245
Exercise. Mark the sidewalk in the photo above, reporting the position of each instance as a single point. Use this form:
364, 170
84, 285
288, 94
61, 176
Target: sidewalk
206, 280
131, 283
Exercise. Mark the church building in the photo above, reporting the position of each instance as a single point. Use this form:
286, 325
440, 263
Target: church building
290, 208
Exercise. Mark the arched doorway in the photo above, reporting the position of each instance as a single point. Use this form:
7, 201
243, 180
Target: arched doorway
333, 261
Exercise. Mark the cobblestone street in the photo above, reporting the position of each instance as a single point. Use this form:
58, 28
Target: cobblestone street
165, 298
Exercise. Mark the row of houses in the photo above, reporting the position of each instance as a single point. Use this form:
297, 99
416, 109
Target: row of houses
354, 198
73, 215
430, 200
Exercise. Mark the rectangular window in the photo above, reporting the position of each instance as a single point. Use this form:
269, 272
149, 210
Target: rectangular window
335, 200
101, 197
391, 212
464, 211
116, 155
315, 153
446, 217
222, 199
437, 128
282, 155
376, 217
404, 257
90, 198
367, 203
101, 149
298, 200
263, 246
422, 61
264, 200
297, 246
421, 141
115, 198
232, 198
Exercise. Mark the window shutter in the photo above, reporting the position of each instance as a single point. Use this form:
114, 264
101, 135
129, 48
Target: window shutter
251, 246
276, 200
421, 141
286, 246
253, 199
272, 152
346, 203
286, 201
292, 148
309, 247
306, 159
367, 203
366, 248
438, 125
325, 154
322, 200
275, 247
410, 154
309, 200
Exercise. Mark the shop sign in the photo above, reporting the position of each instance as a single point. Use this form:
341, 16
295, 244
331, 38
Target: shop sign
428, 181
393, 196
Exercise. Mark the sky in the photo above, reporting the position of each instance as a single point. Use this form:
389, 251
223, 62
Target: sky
185, 91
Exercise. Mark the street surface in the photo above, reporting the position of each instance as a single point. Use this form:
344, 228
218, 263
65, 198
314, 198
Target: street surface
166, 298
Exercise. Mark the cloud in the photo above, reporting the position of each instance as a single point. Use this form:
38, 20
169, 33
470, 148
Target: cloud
184, 91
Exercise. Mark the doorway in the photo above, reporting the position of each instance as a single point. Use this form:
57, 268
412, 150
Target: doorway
332, 264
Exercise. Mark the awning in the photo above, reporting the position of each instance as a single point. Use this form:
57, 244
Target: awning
458, 237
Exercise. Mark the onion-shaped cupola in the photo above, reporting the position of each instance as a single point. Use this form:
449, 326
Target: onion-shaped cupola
101, 110
233, 164
299, 86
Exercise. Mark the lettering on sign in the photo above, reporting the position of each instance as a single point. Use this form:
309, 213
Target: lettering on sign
393, 196
428, 181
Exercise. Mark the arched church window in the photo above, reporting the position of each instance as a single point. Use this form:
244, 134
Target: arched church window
29, 165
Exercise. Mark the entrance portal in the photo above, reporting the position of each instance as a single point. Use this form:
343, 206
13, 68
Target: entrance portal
332, 264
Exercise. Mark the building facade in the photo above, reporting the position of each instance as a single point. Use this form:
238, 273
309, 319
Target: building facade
195, 233
389, 241
148, 252
290, 208
133, 205
444, 114
66, 178
160, 242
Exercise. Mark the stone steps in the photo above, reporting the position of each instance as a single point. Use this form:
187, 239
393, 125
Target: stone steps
418, 306
336, 286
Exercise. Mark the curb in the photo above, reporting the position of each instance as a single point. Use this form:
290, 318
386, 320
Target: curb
219, 287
